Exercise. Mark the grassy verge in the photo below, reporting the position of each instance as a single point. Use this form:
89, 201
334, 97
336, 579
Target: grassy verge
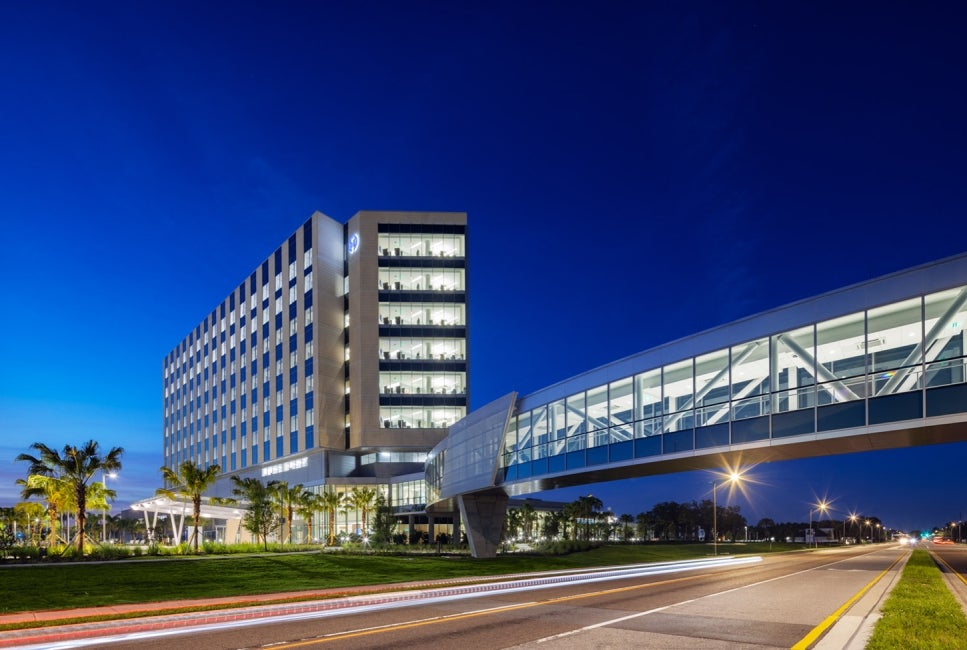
921, 612
62, 586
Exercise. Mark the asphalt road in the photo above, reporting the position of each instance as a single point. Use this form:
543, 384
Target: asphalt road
953, 564
775, 603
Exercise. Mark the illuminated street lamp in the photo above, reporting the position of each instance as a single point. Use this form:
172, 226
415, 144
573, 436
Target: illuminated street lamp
870, 524
822, 506
734, 477
852, 518
104, 476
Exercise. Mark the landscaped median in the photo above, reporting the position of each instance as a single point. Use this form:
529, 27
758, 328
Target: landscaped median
921, 611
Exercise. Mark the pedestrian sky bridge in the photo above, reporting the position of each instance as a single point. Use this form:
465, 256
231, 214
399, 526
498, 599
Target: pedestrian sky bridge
876, 365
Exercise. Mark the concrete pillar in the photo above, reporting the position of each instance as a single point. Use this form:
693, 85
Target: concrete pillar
410, 528
456, 528
483, 516
431, 528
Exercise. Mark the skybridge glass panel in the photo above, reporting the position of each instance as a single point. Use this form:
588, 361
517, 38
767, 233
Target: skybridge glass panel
750, 380
894, 344
621, 410
648, 397
712, 388
577, 428
793, 370
841, 359
539, 452
557, 427
597, 408
945, 314
523, 432
576, 415
539, 426
679, 395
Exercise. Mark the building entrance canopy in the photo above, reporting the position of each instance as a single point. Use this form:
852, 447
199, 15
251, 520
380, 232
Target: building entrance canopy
176, 510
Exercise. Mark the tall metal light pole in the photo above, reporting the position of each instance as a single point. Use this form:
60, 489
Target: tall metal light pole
734, 477
104, 476
822, 506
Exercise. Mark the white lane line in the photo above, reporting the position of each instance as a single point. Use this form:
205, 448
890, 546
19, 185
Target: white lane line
411, 599
684, 602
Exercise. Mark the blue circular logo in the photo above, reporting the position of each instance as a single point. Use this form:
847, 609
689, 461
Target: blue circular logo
353, 243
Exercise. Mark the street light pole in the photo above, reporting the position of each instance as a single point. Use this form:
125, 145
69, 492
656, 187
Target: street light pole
734, 477
104, 476
715, 522
822, 506
104, 512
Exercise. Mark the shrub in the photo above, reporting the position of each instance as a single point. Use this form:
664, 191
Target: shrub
109, 552
566, 546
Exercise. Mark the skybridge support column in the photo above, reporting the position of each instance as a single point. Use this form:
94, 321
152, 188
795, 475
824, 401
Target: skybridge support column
483, 518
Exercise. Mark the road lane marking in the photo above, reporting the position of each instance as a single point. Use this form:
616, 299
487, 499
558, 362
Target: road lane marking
456, 617
815, 633
162, 626
466, 615
937, 558
691, 600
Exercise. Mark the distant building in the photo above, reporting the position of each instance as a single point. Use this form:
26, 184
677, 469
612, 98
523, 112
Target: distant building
339, 361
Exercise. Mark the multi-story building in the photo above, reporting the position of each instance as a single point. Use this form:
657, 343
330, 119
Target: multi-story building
339, 361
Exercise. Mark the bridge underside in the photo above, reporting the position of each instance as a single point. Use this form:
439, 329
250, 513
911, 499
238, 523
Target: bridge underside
845, 441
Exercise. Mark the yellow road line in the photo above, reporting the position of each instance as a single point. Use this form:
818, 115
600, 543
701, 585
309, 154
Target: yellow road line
458, 617
937, 558
814, 634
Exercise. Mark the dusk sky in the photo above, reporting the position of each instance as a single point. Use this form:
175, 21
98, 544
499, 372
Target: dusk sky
633, 172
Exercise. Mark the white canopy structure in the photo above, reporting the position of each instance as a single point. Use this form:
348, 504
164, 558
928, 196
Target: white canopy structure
176, 510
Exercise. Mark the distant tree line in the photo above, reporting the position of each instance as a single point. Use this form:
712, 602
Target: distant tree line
587, 519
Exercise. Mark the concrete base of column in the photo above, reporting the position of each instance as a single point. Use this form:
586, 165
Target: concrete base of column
483, 519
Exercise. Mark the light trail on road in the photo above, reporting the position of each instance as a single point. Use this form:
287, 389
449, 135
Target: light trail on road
195, 624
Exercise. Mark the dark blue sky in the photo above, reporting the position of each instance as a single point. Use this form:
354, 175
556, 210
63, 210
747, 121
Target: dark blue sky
633, 173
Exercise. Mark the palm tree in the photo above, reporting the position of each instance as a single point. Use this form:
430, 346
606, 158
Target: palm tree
527, 518
286, 498
192, 482
77, 466
585, 509
331, 501
56, 492
626, 521
307, 504
363, 499
259, 518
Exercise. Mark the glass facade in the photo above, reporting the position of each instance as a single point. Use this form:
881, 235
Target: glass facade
896, 362
422, 352
425, 244
238, 391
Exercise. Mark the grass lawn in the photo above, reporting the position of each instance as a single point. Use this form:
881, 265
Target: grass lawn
921, 612
67, 585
